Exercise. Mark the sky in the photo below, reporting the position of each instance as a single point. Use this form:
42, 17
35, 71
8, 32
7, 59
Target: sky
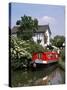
53, 15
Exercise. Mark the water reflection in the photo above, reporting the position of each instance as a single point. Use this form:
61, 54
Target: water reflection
50, 75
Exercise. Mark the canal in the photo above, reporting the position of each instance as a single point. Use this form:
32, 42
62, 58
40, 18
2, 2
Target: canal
48, 75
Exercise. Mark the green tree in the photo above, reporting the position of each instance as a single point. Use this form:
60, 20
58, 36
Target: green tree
58, 41
26, 27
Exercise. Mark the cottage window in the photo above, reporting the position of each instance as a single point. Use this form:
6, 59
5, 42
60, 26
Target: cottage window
38, 38
45, 38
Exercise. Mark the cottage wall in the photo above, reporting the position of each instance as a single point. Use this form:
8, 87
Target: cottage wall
41, 37
48, 37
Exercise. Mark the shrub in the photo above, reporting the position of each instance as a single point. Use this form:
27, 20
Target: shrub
21, 52
62, 54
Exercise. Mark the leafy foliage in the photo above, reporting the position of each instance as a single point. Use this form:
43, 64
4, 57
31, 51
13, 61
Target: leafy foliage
26, 27
62, 54
21, 52
58, 41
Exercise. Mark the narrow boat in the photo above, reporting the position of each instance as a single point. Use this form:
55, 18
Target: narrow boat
44, 58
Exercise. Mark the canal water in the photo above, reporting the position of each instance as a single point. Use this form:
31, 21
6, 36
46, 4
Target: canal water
47, 75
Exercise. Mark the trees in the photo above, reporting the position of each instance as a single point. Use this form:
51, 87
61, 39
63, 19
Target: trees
58, 41
26, 27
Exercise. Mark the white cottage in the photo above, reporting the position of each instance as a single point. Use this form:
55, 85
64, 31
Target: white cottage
41, 35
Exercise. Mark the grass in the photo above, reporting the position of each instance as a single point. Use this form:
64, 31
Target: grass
61, 64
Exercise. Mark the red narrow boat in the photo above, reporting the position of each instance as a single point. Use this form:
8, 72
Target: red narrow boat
45, 57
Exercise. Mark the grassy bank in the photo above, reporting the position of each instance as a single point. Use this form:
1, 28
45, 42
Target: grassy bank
61, 64
62, 59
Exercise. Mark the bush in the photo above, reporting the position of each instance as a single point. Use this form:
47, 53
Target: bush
21, 52
62, 54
